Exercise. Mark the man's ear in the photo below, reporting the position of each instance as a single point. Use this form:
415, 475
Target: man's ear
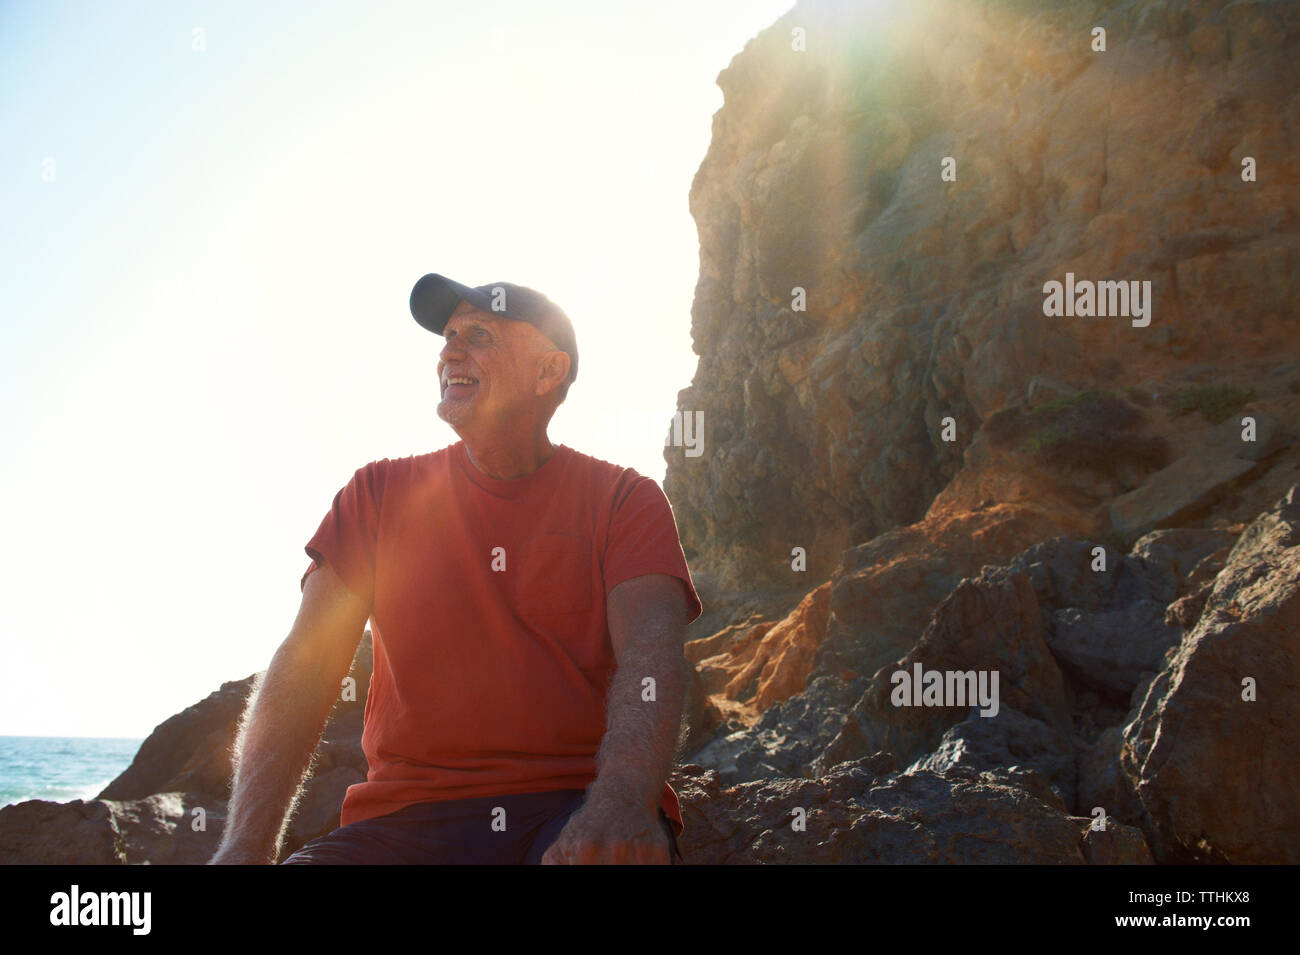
552, 370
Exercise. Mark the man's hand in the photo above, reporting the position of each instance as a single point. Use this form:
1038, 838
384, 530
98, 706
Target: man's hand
610, 830
619, 822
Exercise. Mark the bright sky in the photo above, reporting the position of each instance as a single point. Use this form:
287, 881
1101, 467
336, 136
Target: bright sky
205, 262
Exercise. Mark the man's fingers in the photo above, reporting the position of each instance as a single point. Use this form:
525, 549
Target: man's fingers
588, 853
652, 852
640, 852
555, 854
625, 853
596, 852
582, 844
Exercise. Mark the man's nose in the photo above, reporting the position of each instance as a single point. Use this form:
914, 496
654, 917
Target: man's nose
450, 351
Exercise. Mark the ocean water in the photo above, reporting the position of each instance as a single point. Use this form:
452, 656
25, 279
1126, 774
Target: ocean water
60, 768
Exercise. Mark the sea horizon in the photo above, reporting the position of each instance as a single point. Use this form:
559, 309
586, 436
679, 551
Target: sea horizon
61, 768
49, 736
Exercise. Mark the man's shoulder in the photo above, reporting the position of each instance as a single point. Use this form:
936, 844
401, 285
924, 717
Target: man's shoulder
606, 472
611, 487
412, 461
405, 469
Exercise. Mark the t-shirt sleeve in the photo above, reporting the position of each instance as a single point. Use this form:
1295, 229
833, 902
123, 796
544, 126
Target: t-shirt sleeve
348, 536
643, 540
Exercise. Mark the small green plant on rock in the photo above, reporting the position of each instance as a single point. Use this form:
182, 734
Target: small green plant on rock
1216, 403
1091, 429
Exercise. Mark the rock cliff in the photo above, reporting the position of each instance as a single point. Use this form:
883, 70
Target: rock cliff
892, 419
851, 298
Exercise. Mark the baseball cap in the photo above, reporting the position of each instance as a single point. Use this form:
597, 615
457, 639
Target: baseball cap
435, 297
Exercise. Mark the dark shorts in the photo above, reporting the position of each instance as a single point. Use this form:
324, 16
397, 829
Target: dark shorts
456, 832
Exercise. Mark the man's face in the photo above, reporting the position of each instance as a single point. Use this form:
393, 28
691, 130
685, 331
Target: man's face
487, 371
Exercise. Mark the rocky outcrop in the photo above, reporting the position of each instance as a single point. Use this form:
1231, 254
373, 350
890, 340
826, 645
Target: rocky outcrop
1107, 627
1212, 751
1184, 489
1112, 711
748, 667
168, 806
990, 624
850, 298
866, 812
190, 752
885, 591
786, 738
979, 483
169, 828
1009, 739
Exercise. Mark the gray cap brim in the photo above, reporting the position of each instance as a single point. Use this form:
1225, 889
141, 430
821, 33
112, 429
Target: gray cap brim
435, 297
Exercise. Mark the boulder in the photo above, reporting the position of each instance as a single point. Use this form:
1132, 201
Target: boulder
1104, 612
886, 590
1110, 650
1179, 492
192, 752
1068, 573
989, 623
1007, 740
38, 832
1176, 552
787, 737
188, 759
863, 812
189, 752
160, 829
1212, 751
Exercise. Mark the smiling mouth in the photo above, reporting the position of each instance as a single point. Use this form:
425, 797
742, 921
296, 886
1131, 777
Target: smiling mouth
459, 382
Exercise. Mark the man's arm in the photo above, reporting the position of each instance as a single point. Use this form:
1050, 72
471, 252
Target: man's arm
619, 822
286, 716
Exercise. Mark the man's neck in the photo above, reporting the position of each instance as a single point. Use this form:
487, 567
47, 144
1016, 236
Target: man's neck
507, 458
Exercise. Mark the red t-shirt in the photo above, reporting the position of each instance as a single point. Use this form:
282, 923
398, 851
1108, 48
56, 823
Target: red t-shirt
492, 653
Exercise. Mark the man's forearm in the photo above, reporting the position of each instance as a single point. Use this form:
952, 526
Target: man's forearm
640, 742
281, 729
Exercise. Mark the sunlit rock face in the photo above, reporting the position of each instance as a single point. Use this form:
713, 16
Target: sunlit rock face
923, 280
996, 339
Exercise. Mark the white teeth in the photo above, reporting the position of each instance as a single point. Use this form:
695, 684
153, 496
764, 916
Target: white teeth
460, 381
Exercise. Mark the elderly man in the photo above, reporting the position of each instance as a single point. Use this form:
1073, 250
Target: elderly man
527, 604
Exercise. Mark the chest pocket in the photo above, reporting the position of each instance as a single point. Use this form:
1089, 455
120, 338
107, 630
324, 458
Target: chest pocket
552, 575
